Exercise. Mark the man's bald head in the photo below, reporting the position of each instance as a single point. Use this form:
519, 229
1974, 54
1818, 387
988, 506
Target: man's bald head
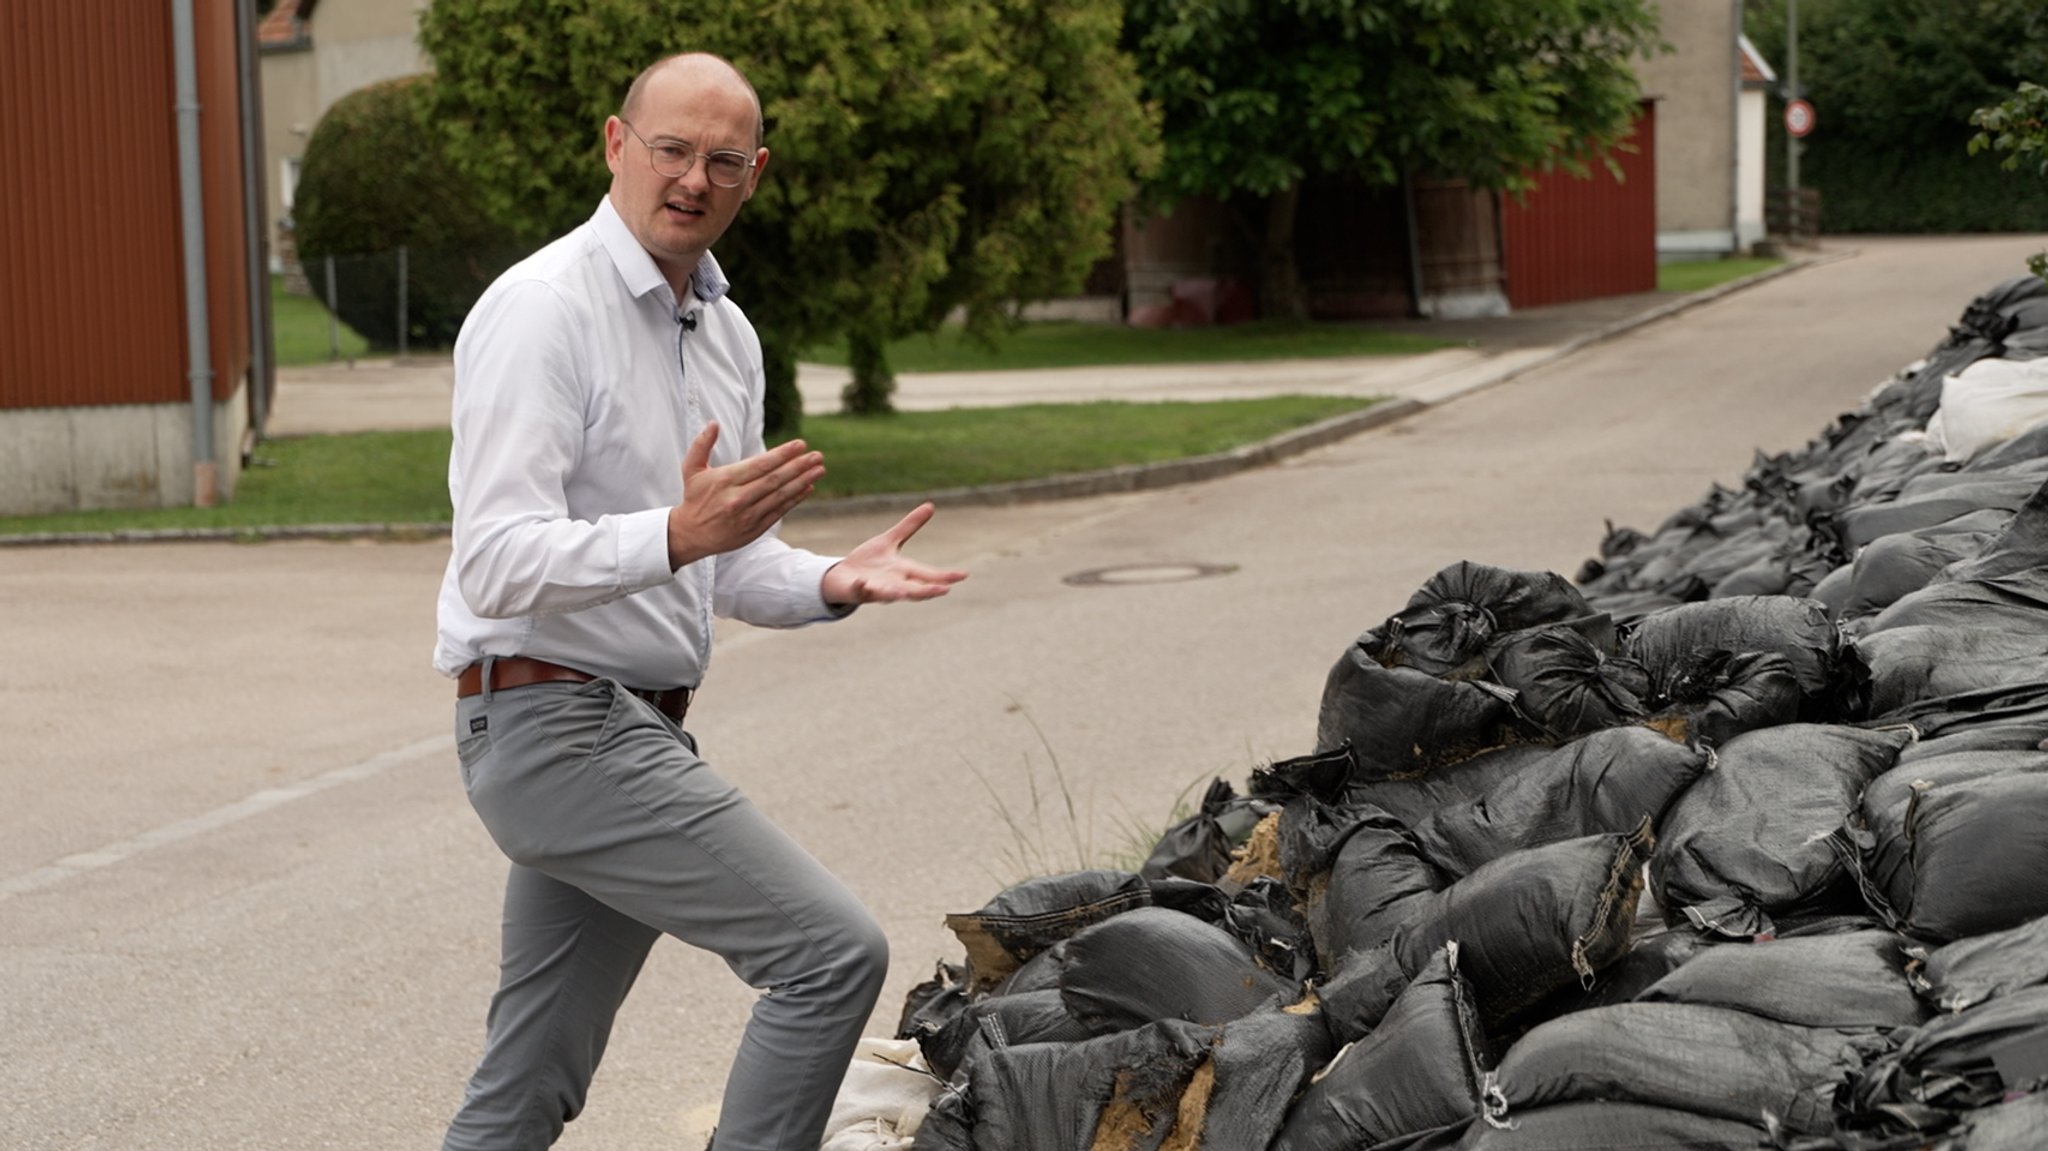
704, 65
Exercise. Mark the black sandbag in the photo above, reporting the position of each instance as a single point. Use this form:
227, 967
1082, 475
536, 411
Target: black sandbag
1323, 774
1264, 917
1964, 1061
1152, 964
1895, 566
1199, 846
1565, 683
1611, 1127
1859, 526
1377, 880
1118, 1091
1582, 789
1027, 918
1798, 629
997, 1022
1908, 664
948, 1124
1447, 623
1625, 749
1712, 1061
1984, 967
1714, 696
1258, 1065
1655, 953
2005, 587
2018, 1125
2008, 729
1041, 972
1402, 721
1527, 925
1750, 839
1954, 847
934, 1003
1851, 980
1948, 715
1423, 1067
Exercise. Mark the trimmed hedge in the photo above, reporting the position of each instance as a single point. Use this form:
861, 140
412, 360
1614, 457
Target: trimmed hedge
374, 180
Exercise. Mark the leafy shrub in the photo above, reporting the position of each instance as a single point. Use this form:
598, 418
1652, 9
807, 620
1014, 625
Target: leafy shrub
375, 179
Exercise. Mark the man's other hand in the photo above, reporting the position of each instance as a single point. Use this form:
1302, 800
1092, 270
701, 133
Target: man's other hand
878, 572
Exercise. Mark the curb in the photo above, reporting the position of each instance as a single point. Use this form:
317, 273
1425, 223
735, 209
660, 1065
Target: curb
1109, 481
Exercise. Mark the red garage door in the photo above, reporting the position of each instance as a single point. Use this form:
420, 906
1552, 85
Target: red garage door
1573, 239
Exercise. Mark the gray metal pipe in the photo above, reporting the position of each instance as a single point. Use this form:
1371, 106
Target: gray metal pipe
255, 229
192, 208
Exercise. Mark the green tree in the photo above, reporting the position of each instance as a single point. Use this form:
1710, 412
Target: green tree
1260, 95
2019, 128
926, 155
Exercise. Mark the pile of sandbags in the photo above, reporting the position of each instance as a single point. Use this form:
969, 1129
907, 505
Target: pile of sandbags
1739, 839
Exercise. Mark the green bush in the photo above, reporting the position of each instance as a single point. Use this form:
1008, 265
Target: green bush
375, 179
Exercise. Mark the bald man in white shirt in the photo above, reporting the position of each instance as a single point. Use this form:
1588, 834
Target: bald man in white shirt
612, 494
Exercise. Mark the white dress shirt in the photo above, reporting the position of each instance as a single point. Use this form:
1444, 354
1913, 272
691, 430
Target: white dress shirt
580, 381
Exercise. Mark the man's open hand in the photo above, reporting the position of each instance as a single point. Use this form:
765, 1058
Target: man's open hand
878, 572
729, 507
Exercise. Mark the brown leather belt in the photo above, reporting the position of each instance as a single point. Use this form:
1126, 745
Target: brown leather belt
512, 671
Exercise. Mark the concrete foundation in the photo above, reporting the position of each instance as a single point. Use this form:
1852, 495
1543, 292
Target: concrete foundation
118, 456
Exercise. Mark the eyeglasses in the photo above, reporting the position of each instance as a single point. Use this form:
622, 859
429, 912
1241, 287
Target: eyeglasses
673, 159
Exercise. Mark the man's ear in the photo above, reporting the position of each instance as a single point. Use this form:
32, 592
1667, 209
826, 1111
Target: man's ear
614, 143
754, 177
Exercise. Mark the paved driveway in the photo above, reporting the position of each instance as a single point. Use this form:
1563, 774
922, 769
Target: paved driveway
243, 904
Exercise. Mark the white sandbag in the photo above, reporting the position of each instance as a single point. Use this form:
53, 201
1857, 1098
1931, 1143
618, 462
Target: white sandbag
1988, 403
883, 1099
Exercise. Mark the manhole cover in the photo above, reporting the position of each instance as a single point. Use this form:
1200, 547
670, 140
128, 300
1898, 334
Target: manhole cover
1147, 573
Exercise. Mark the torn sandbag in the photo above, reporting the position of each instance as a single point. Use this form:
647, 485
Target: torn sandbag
1564, 683
1323, 774
996, 1022
1750, 840
1711, 697
1401, 721
1961, 1062
1263, 915
1423, 1067
1118, 1092
1712, 1061
1527, 925
1953, 847
1855, 979
1798, 629
1152, 964
1199, 846
1582, 1126
1908, 664
1445, 627
1027, 918
1258, 1064
1970, 971
1355, 895
1564, 795
933, 1003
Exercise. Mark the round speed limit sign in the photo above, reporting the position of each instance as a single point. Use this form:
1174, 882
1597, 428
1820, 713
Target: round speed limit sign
1799, 117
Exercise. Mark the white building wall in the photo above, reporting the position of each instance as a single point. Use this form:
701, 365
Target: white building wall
1749, 210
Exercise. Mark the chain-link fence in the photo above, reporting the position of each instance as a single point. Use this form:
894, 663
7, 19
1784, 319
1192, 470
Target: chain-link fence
407, 299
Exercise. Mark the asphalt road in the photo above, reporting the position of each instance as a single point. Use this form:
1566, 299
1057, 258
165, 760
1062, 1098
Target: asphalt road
244, 905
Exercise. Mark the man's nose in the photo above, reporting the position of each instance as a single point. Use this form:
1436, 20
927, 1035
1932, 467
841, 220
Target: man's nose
697, 177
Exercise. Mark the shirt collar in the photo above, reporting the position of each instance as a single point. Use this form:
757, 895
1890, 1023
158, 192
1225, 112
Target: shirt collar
638, 269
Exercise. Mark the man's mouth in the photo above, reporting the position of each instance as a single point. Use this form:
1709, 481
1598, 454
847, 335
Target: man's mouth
683, 212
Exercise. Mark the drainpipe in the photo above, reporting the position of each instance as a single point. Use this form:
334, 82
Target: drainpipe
255, 230
198, 354
1735, 136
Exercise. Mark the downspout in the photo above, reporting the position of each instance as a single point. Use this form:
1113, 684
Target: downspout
1735, 137
255, 228
191, 206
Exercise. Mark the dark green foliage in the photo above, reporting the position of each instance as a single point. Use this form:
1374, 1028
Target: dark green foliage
1262, 94
376, 179
1895, 83
925, 155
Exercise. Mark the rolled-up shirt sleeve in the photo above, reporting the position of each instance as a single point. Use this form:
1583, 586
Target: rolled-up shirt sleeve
520, 409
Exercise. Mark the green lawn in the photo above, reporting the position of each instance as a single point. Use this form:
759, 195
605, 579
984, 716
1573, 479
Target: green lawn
1066, 344
300, 324
1699, 275
401, 477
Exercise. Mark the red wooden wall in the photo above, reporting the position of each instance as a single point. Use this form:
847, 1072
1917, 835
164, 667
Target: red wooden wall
1572, 239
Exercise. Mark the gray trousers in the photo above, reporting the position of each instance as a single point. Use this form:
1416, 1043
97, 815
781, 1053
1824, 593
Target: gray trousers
619, 833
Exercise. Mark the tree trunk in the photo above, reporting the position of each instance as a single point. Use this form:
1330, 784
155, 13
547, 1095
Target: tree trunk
1284, 296
873, 382
782, 406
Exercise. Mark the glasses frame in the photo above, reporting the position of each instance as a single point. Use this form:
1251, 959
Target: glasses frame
691, 161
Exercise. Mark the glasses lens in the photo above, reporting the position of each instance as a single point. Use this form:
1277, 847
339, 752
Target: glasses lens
726, 169
670, 160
